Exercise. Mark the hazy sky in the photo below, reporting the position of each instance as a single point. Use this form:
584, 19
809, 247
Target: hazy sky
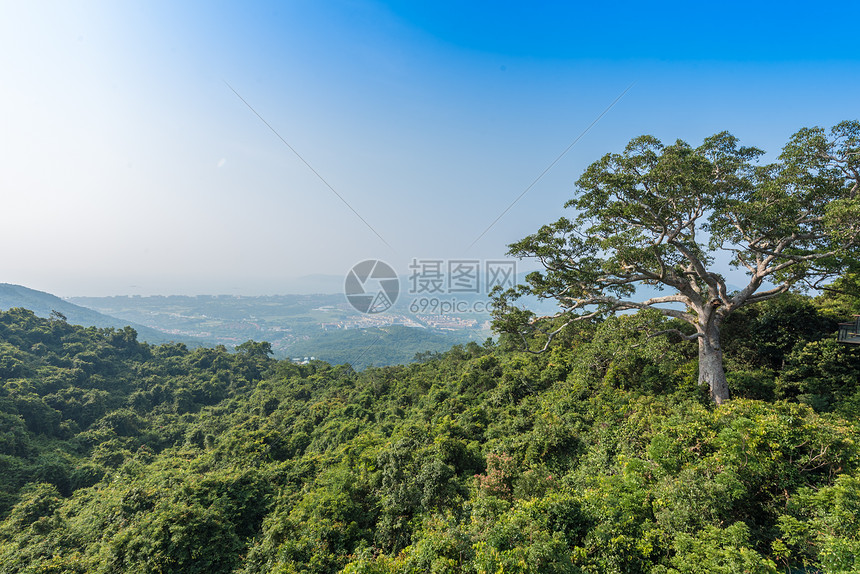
127, 165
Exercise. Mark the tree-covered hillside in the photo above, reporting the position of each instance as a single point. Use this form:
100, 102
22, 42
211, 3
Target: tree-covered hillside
323, 326
45, 305
601, 455
378, 346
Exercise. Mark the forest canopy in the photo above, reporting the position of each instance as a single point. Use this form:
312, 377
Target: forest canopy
601, 455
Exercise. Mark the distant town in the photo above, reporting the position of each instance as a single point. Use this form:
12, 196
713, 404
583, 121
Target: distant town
299, 327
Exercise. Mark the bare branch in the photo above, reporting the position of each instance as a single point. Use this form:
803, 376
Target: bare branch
765, 295
549, 337
667, 299
698, 266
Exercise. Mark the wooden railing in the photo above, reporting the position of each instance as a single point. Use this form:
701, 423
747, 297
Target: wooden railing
849, 332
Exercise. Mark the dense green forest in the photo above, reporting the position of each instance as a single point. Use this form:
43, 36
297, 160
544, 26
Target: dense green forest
602, 455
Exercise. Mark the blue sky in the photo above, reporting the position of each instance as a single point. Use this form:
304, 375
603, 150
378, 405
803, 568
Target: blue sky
128, 165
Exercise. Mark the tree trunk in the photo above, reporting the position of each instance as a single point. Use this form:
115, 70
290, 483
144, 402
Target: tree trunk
711, 371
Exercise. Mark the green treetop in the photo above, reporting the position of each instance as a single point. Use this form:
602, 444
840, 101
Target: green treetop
659, 215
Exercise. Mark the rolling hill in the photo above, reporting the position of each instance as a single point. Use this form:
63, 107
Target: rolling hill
42, 304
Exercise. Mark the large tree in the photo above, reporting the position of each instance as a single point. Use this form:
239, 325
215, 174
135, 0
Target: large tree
670, 216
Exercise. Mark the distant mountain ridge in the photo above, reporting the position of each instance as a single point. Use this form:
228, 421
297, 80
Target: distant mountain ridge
42, 304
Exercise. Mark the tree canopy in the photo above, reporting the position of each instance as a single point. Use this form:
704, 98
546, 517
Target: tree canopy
674, 217
601, 455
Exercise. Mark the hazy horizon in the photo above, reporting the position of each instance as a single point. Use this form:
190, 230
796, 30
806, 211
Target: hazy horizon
130, 166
